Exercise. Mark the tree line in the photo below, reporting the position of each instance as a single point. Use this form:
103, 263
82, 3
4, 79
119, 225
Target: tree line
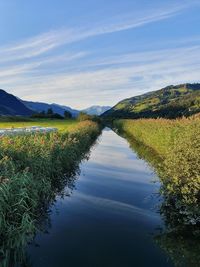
49, 114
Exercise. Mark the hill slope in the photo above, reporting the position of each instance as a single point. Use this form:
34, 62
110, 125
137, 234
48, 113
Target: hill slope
39, 107
96, 110
169, 102
11, 105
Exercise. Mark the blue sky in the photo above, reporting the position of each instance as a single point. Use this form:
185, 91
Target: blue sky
96, 52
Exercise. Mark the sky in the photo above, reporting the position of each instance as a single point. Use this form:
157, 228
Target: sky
97, 52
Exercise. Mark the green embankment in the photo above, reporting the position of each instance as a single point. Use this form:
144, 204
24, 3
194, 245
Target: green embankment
177, 142
33, 168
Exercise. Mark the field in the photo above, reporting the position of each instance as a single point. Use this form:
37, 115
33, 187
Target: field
62, 125
177, 143
33, 168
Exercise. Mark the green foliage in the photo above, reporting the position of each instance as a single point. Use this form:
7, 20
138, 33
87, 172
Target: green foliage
14, 119
48, 115
32, 169
181, 175
83, 116
169, 102
50, 111
182, 248
67, 114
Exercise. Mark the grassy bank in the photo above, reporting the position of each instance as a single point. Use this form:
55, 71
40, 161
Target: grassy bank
177, 143
32, 169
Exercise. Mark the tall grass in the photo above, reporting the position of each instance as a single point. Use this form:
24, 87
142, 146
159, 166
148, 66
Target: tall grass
32, 167
177, 142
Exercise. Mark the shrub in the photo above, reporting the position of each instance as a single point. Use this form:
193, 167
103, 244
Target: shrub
83, 116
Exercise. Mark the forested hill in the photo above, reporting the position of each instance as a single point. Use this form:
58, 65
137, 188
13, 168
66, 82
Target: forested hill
11, 105
169, 102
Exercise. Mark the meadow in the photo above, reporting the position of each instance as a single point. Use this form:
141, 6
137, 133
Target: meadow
177, 144
33, 168
61, 125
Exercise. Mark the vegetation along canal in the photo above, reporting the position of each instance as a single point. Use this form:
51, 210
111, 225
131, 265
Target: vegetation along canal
109, 214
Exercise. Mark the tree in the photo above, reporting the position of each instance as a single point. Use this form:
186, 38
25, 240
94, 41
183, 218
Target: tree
67, 114
50, 111
83, 116
56, 116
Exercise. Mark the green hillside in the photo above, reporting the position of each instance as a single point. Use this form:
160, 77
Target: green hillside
169, 102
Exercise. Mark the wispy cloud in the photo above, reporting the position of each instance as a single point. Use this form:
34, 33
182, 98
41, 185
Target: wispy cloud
36, 69
46, 42
114, 80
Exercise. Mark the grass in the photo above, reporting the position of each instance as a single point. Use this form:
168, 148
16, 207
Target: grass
33, 168
159, 134
62, 125
177, 143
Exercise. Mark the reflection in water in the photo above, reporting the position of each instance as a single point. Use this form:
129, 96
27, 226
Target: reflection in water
181, 241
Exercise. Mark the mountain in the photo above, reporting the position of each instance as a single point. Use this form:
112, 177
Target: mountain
169, 102
96, 110
39, 106
11, 105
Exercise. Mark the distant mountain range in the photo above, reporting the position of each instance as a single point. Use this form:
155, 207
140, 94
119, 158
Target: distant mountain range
12, 105
169, 102
39, 107
96, 110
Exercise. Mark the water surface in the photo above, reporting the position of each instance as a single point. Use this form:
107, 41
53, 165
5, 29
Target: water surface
109, 219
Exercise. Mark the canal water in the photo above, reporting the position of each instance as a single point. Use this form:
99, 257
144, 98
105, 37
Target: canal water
108, 218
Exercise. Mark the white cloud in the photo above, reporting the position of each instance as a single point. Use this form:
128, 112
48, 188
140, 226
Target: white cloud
110, 84
35, 69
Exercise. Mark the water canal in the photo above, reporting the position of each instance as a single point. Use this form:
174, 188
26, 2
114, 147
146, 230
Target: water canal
108, 217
